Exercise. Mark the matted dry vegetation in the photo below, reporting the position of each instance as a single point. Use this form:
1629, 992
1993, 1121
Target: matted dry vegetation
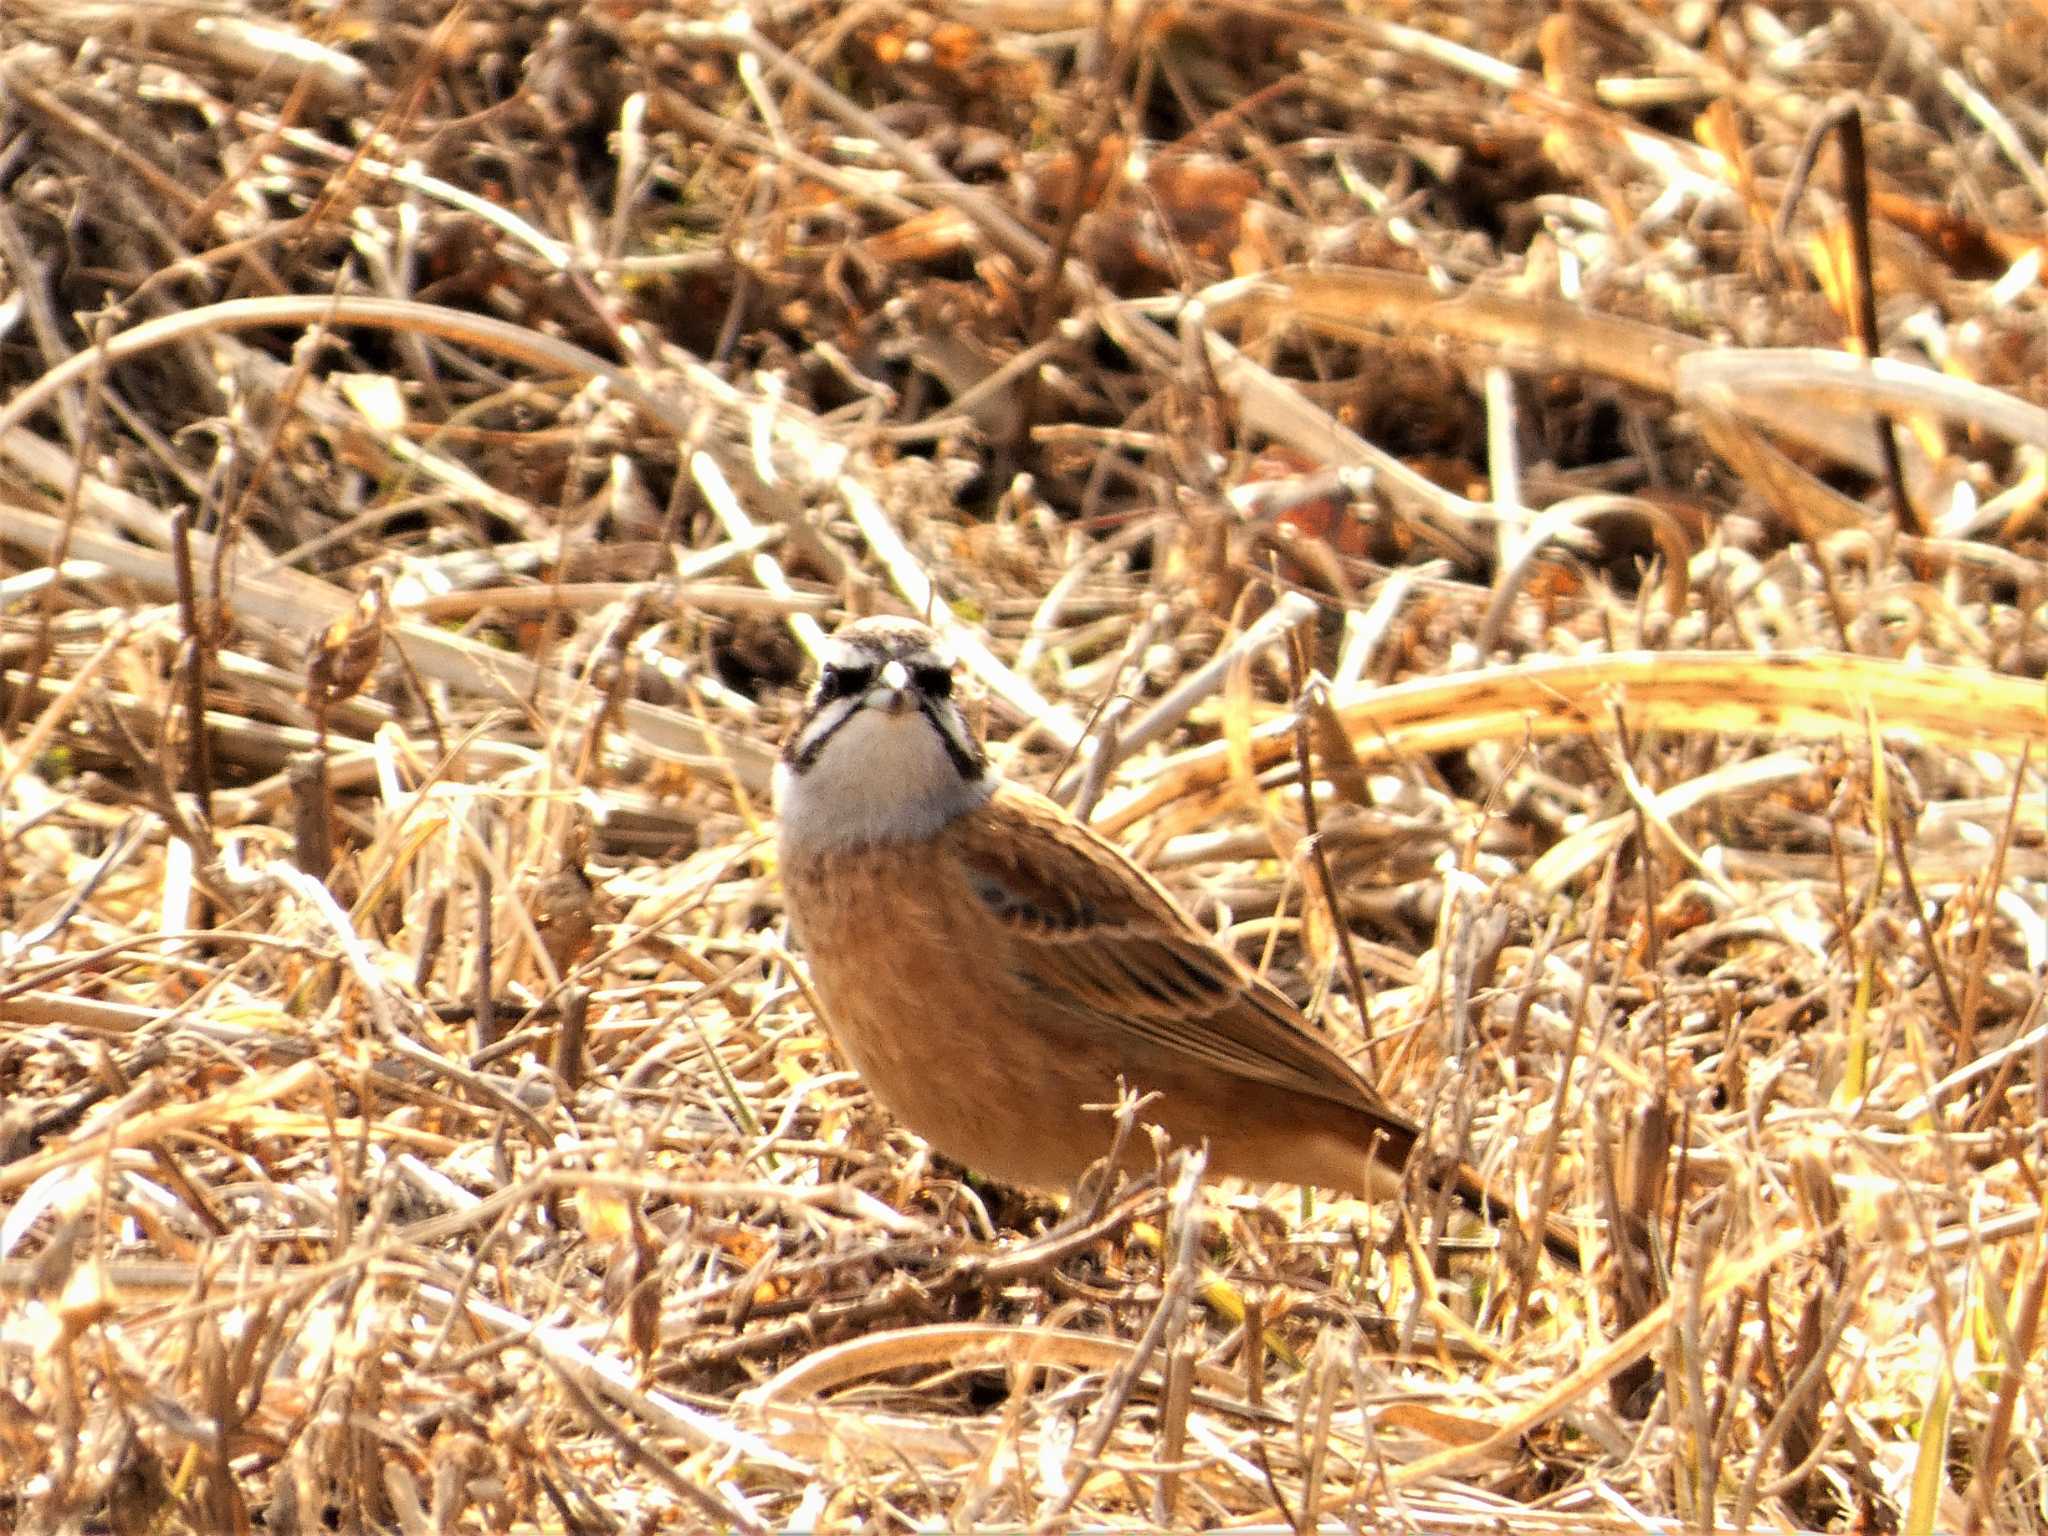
410, 1115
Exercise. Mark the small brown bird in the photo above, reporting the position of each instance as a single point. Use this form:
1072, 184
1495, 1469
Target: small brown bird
990, 966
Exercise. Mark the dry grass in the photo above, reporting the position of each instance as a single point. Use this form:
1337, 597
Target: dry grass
410, 1117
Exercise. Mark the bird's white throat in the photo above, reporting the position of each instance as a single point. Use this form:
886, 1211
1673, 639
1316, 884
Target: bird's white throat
880, 777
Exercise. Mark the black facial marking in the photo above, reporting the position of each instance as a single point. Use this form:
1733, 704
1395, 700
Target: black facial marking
800, 754
934, 680
844, 682
968, 761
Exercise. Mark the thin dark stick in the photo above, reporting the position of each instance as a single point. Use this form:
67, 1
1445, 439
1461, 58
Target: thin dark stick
1994, 880
1297, 660
312, 814
433, 933
419, 689
570, 1035
1845, 118
1940, 966
44, 644
193, 671
486, 1027
1546, 1177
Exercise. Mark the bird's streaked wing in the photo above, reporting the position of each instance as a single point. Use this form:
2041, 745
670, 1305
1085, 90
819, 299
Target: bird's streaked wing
1106, 943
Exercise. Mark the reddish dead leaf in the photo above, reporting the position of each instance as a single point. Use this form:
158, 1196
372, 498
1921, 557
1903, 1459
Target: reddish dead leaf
1203, 200
950, 62
1971, 249
930, 237
1055, 190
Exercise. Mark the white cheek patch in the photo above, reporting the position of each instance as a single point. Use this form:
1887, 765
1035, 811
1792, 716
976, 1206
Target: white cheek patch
803, 751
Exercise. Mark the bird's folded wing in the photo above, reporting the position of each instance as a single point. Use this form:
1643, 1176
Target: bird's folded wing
1096, 937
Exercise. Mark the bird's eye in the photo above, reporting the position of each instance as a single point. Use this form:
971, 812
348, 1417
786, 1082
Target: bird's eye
844, 682
935, 681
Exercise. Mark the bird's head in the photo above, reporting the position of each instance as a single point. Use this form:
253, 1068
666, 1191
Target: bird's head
882, 752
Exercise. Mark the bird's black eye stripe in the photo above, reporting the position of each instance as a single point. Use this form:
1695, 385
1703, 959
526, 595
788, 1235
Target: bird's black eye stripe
844, 682
934, 681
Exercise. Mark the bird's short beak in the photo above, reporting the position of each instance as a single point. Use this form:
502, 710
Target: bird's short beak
895, 685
